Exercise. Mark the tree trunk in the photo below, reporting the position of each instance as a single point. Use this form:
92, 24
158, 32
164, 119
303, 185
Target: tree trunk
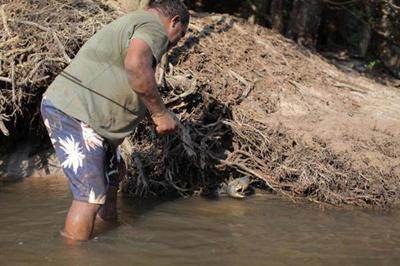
304, 22
277, 15
389, 52
354, 31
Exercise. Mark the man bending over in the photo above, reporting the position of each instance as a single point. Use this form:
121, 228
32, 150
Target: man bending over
100, 98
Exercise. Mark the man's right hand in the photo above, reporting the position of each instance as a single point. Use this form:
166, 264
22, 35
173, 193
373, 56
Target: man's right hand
165, 122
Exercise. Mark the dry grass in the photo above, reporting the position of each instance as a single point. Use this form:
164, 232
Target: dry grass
37, 40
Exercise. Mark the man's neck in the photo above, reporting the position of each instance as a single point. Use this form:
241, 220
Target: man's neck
162, 17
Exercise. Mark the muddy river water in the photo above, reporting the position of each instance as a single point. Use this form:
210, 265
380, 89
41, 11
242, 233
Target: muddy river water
261, 230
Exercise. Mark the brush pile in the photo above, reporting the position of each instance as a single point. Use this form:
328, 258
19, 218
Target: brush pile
215, 83
37, 40
223, 82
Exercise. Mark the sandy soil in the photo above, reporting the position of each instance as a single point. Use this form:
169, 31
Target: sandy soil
322, 104
348, 110
310, 96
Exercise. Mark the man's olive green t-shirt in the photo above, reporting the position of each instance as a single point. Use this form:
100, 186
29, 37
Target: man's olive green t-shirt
95, 89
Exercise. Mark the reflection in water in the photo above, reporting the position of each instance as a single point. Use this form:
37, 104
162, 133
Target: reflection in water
261, 230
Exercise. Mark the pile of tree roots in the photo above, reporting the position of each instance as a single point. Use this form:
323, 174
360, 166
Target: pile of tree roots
207, 81
209, 78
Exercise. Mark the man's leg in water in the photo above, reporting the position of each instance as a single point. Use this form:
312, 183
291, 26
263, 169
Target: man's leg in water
82, 153
106, 218
80, 220
83, 217
108, 211
115, 172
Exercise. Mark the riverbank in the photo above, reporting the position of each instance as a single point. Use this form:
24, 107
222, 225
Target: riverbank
254, 103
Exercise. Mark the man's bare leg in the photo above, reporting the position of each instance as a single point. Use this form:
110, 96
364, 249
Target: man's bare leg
106, 218
82, 217
80, 221
108, 211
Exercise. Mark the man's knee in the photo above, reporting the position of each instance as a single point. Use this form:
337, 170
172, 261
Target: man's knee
80, 220
84, 208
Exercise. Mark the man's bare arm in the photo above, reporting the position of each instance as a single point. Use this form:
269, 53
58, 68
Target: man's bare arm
141, 75
139, 67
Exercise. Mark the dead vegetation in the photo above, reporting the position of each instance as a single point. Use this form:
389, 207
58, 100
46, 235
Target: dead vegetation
228, 83
37, 40
215, 79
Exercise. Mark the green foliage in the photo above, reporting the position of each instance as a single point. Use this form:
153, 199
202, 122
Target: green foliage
372, 64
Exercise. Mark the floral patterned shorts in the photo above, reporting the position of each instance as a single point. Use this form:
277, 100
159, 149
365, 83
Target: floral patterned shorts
87, 159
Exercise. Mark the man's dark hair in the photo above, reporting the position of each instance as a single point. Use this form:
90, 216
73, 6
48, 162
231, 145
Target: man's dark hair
172, 8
